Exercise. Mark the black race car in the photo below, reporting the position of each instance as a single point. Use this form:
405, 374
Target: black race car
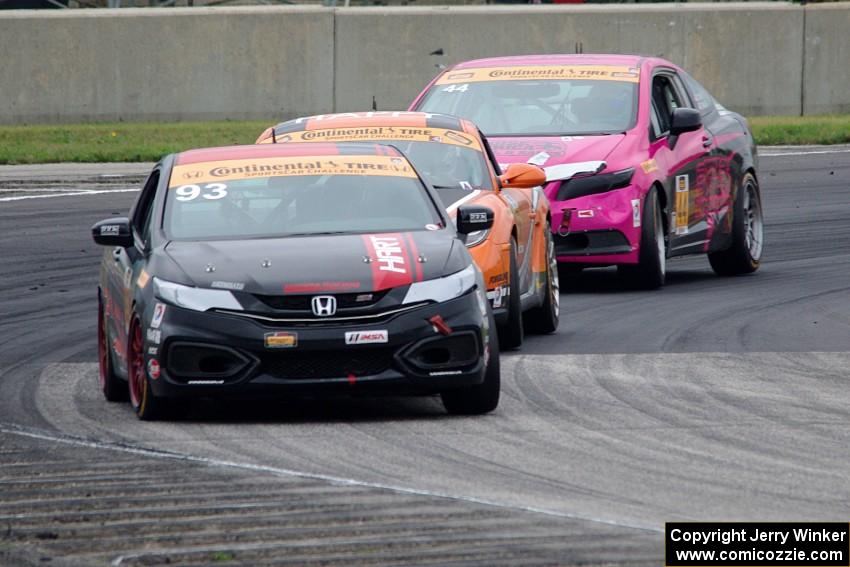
306, 268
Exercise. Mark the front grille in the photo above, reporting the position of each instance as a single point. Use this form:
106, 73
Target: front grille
307, 365
303, 302
586, 243
311, 320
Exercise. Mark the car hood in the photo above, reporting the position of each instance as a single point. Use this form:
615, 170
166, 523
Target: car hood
554, 150
315, 264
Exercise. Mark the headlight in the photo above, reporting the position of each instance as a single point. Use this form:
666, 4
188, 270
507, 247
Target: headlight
194, 298
593, 184
442, 289
477, 237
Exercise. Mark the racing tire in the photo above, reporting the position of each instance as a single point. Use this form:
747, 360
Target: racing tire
544, 319
744, 254
146, 406
651, 269
480, 398
511, 334
114, 389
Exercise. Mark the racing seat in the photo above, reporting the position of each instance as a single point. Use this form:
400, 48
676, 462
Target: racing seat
604, 106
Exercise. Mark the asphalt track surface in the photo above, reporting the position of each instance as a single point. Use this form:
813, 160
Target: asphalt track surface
711, 399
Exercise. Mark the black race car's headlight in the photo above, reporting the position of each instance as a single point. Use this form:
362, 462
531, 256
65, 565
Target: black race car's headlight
443, 289
593, 184
194, 298
477, 237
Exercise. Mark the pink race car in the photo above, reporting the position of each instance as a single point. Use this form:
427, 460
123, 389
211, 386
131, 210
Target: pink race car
642, 163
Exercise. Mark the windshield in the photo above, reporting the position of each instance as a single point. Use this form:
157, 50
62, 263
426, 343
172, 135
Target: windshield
545, 107
269, 205
444, 165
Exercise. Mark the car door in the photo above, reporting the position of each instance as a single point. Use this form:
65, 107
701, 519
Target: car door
683, 160
126, 268
521, 203
720, 171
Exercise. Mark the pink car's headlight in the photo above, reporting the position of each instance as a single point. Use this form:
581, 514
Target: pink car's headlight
593, 184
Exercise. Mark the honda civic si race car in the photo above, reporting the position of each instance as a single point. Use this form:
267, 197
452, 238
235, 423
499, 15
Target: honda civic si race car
314, 268
516, 255
642, 163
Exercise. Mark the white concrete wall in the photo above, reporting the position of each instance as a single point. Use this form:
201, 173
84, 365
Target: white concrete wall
164, 64
749, 55
278, 62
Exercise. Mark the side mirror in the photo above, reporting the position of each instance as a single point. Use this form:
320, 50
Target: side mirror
522, 176
473, 218
684, 120
113, 232
266, 135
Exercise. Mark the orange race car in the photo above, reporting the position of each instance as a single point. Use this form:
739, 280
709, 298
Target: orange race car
516, 255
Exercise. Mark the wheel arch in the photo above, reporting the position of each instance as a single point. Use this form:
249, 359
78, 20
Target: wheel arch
662, 202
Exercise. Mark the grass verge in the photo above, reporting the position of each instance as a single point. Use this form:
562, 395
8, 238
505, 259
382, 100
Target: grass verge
108, 142
115, 142
801, 130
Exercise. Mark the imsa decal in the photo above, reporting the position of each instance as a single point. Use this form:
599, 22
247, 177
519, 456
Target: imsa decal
367, 337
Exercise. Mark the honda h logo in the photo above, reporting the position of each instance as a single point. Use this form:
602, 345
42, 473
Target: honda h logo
324, 305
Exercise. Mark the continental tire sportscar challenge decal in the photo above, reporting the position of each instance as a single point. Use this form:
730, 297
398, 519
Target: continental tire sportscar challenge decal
208, 172
622, 73
381, 133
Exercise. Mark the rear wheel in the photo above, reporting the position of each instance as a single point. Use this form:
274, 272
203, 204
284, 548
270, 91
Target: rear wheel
147, 406
512, 333
114, 389
481, 398
651, 269
744, 255
544, 319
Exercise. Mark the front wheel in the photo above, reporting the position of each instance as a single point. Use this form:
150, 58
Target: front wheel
744, 255
481, 398
544, 319
651, 269
147, 406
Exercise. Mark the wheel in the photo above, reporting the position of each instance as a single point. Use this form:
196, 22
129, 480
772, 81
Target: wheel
147, 406
114, 388
512, 333
481, 398
744, 255
544, 319
651, 269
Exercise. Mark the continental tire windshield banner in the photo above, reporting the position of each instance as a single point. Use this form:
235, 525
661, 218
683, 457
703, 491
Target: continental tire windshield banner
757, 544
622, 73
382, 134
206, 172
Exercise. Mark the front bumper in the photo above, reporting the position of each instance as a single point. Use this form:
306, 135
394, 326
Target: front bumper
603, 229
217, 354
